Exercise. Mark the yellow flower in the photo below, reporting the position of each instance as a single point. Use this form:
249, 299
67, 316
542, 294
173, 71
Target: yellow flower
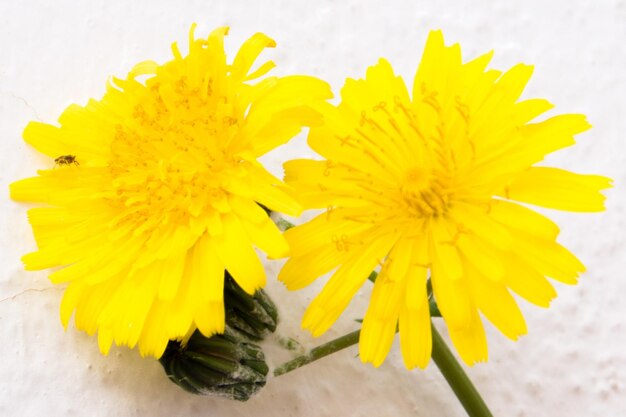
427, 184
155, 192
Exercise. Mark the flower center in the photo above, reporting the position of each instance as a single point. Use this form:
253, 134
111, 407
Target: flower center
424, 194
172, 159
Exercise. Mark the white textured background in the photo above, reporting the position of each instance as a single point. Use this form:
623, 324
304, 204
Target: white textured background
572, 363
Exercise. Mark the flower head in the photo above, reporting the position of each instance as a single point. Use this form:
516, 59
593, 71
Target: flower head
429, 184
155, 189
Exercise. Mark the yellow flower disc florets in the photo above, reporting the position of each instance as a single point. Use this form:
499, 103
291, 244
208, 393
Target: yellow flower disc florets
156, 191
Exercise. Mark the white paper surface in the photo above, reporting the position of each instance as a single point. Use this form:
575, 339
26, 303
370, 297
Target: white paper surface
572, 363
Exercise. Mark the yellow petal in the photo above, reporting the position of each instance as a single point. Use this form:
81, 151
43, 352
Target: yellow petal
143, 68
470, 341
71, 297
559, 189
272, 193
235, 252
552, 134
154, 339
495, 302
511, 84
450, 290
266, 236
105, 338
481, 256
300, 271
415, 335
379, 324
283, 126
548, 258
527, 110
417, 275
171, 271
248, 53
444, 252
473, 218
207, 288
521, 218
47, 139
528, 282
322, 231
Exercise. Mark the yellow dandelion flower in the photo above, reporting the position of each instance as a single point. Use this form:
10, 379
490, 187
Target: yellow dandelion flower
429, 184
155, 189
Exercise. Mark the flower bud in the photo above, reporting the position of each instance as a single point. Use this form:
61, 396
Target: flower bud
253, 315
226, 365
229, 364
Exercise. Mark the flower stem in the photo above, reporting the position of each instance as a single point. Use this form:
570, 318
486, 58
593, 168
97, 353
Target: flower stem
457, 378
282, 224
319, 352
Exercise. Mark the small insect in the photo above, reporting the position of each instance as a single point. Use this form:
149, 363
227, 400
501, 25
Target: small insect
66, 160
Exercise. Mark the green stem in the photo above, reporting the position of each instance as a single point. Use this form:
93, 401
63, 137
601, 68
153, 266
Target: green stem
457, 378
284, 225
319, 352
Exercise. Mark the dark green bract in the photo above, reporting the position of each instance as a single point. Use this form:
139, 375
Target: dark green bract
254, 316
224, 365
